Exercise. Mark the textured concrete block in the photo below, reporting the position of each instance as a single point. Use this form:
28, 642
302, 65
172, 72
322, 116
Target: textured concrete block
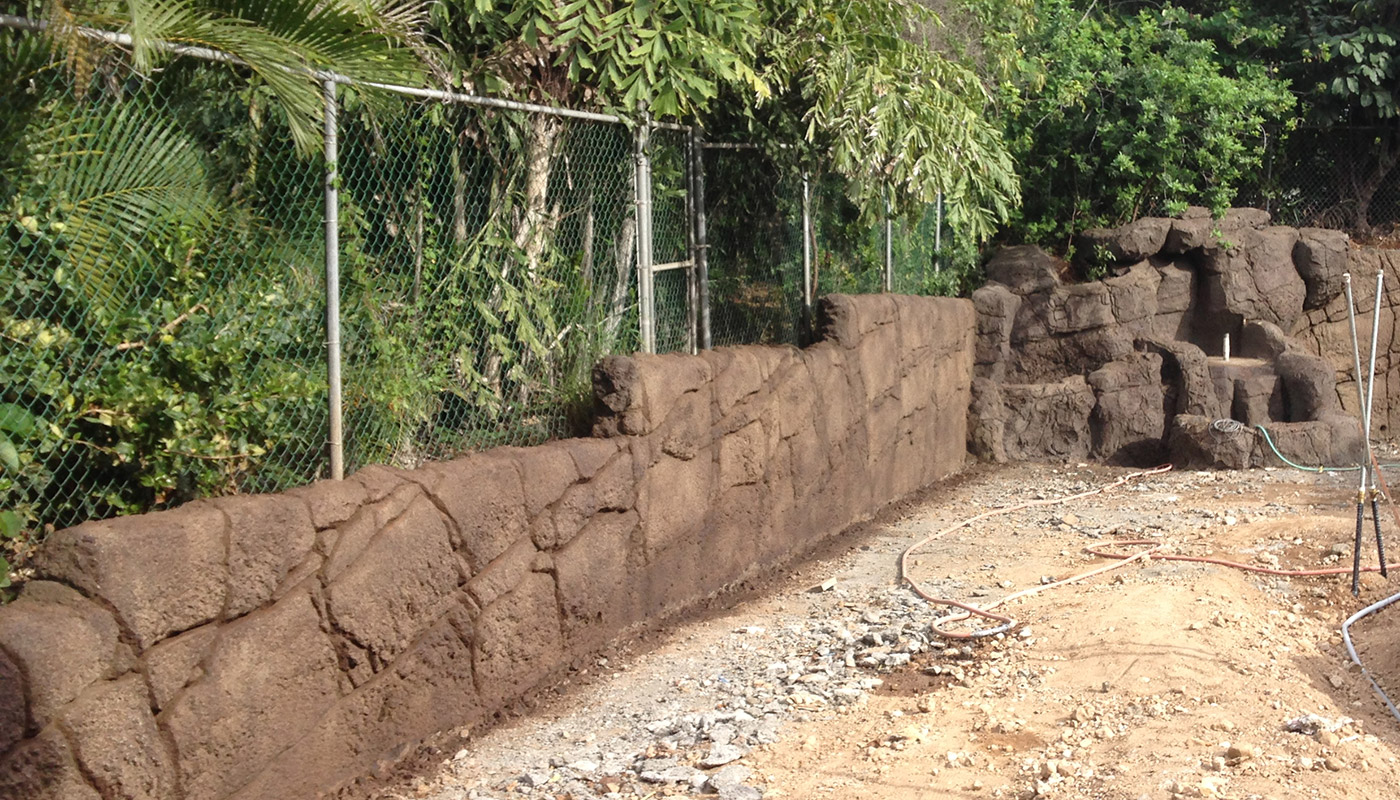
63, 643
397, 585
518, 640
485, 497
268, 535
271, 677
162, 573
117, 744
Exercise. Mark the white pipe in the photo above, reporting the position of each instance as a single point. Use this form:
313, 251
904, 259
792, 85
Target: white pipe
1371, 373
1227, 347
1351, 649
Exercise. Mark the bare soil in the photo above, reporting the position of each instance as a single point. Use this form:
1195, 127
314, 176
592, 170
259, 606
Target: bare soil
1157, 680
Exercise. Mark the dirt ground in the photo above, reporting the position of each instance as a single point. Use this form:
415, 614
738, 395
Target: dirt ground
1156, 680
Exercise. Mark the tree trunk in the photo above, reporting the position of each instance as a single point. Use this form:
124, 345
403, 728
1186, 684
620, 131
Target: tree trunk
459, 197
417, 249
623, 255
587, 240
534, 226
1363, 189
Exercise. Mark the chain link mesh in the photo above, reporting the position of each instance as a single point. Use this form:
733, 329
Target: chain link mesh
753, 214
1322, 178
1338, 177
671, 239
160, 315
487, 262
163, 300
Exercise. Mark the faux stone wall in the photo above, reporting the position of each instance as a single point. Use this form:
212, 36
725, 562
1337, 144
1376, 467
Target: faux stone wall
276, 646
1325, 331
1130, 369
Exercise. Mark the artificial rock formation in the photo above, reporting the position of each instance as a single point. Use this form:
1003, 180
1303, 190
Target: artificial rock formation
276, 646
1130, 369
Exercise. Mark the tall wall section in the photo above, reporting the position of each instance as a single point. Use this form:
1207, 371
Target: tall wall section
276, 646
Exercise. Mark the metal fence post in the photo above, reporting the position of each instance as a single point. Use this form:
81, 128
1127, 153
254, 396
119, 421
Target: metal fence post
701, 244
806, 251
938, 234
889, 246
646, 315
337, 444
692, 289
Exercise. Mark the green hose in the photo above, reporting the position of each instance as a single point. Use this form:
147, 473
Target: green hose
1286, 460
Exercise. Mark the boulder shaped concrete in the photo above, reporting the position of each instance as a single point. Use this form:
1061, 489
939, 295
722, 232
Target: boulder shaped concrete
1180, 289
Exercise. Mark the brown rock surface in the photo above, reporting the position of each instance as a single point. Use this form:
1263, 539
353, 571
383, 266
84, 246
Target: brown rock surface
117, 744
271, 677
1048, 419
1128, 421
161, 573
1024, 269
397, 585
64, 643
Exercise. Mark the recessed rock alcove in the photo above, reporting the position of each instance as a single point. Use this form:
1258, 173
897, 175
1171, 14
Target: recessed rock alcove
1132, 369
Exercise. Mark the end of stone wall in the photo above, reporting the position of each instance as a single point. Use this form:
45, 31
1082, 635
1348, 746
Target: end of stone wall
275, 646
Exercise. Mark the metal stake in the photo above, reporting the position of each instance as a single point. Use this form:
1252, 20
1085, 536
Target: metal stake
1361, 400
1366, 423
1360, 524
337, 444
1376, 518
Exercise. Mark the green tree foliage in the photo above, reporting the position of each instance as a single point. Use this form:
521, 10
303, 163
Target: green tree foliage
666, 56
883, 106
128, 337
865, 85
1342, 59
1112, 114
154, 317
282, 44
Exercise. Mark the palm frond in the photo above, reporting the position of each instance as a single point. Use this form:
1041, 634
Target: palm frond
122, 177
287, 44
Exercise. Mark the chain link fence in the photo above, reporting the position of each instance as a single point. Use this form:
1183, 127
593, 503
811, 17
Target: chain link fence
161, 328
1340, 177
163, 307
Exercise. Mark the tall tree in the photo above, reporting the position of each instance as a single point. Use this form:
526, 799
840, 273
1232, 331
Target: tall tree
1117, 111
864, 84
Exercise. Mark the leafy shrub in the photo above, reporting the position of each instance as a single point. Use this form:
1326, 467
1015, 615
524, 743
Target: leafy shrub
1114, 117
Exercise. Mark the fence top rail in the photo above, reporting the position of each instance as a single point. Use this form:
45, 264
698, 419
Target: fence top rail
210, 54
